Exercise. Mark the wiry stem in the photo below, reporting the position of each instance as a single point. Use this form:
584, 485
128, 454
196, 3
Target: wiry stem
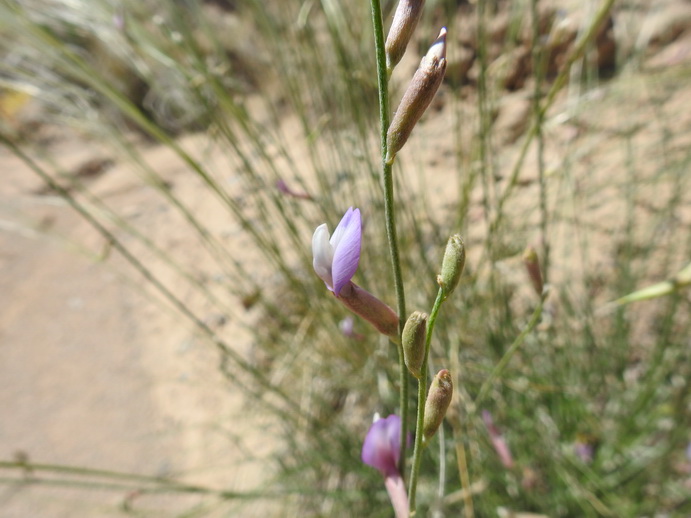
499, 368
421, 396
389, 215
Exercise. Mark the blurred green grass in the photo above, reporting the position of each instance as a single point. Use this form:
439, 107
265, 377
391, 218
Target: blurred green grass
287, 91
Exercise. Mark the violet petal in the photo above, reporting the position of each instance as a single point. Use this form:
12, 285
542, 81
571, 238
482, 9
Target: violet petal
347, 241
342, 226
381, 448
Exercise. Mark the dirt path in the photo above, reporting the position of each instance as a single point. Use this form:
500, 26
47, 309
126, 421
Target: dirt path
94, 374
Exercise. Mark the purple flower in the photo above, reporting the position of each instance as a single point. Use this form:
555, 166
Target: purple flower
584, 451
382, 446
336, 256
381, 450
347, 327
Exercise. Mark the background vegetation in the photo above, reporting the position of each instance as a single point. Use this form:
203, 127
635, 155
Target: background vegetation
554, 128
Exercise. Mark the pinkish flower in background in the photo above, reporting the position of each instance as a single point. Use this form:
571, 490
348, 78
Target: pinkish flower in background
347, 327
381, 450
283, 187
336, 256
584, 449
498, 441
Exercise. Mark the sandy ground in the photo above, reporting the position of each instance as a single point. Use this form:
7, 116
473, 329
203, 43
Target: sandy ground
95, 374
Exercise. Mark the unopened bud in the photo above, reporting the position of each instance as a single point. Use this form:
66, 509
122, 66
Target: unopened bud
532, 265
404, 22
413, 340
418, 96
452, 265
363, 303
438, 400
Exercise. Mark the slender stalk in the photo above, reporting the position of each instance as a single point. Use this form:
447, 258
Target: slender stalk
421, 395
547, 102
499, 368
538, 69
390, 218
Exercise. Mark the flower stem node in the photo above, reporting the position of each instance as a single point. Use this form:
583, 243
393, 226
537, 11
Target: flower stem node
418, 96
438, 400
404, 22
452, 265
413, 339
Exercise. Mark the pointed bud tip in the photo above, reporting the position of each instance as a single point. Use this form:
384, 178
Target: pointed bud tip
438, 48
452, 265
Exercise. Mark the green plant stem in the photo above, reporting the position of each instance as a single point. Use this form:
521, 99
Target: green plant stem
548, 100
538, 69
421, 396
499, 368
390, 218
115, 480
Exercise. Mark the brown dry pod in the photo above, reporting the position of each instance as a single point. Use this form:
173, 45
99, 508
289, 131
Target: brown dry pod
438, 400
532, 266
404, 22
418, 96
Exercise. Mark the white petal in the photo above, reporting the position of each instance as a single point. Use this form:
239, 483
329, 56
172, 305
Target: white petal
323, 254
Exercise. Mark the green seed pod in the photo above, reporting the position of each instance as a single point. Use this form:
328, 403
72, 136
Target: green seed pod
414, 337
438, 400
452, 265
404, 22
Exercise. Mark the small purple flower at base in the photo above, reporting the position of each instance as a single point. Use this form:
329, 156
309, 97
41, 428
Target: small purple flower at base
336, 256
381, 450
382, 446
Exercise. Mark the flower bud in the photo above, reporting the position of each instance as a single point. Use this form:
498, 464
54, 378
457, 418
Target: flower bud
363, 303
532, 265
438, 400
404, 22
413, 339
452, 265
418, 96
